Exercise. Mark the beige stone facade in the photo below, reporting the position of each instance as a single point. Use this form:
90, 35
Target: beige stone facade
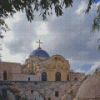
54, 71
51, 66
12, 71
55, 68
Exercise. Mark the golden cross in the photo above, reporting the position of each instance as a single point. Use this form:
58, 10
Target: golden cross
39, 43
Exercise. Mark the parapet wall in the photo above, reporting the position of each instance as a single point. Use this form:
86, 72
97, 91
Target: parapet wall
41, 89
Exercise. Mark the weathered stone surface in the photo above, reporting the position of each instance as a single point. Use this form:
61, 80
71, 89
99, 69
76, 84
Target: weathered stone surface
42, 90
90, 89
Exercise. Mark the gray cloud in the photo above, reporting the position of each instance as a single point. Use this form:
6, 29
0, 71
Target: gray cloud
70, 36
76, 36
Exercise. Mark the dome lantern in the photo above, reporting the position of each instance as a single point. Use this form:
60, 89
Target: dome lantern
39, 52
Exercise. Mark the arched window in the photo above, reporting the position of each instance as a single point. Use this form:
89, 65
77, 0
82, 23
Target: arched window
31, 91
75, 78
4, 94
58, 76
4, 75
44, 76
67, 77
56, 94
55, 58
28, 78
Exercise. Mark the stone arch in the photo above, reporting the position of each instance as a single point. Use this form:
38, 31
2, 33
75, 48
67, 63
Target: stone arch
58, 76
36, 94
58, 58
44, 76
6, 93
4, 75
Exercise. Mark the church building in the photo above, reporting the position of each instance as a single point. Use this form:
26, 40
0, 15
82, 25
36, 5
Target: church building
41, 77
39, 67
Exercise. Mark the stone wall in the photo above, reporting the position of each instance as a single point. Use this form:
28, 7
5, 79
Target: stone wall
42, 90
10, 69
76, 76
31, 77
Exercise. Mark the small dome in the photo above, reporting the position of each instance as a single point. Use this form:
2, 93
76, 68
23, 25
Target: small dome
90, 89
39, 53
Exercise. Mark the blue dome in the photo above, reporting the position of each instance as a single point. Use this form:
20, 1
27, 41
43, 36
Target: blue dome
39, 53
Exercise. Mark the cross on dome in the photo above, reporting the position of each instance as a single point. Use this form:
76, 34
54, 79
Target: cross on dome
39, 43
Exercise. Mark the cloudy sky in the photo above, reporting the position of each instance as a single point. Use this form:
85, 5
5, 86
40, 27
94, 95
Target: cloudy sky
69, 35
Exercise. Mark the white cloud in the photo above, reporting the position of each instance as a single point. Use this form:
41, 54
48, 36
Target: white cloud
11, 58
93, 67
8, 37
65, 35
81, 8
16, 17
97, 4
41, 28
79, 70
35, 45
71, 60
96, 64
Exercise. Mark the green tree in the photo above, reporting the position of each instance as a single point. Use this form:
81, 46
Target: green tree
96, 24
9, 7
96, 21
